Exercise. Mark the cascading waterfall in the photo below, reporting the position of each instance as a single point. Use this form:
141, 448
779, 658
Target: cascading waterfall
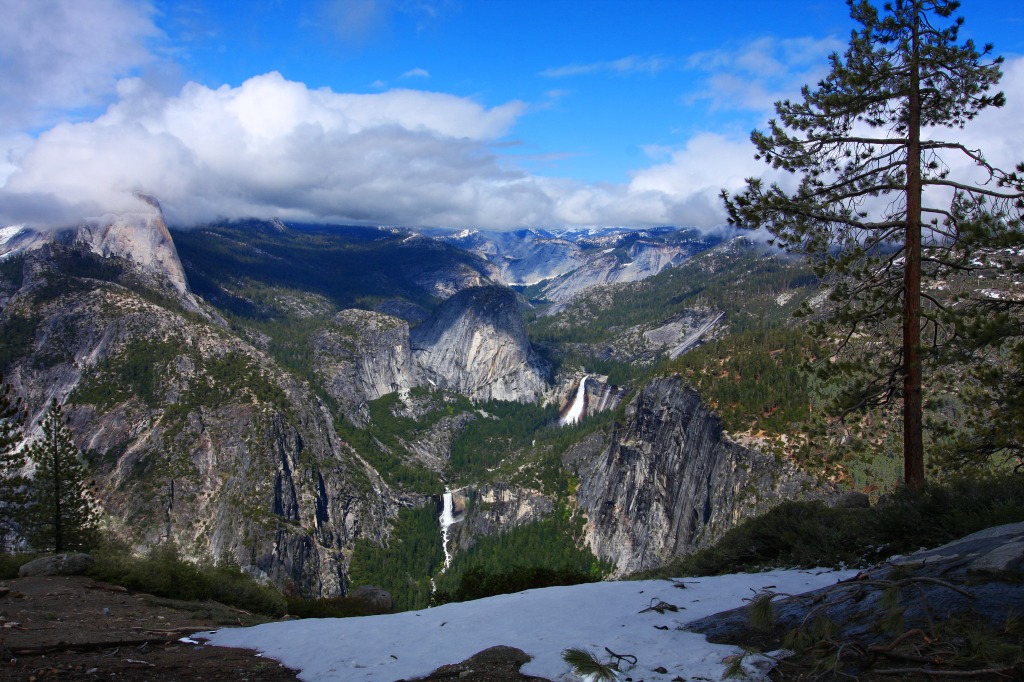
447, 519
575, 412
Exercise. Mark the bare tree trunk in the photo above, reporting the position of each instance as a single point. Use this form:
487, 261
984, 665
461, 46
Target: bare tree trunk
913, 439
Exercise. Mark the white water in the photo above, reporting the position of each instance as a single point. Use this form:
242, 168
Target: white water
575, 412
447, 520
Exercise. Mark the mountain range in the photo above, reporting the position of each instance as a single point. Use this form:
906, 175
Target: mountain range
298, 397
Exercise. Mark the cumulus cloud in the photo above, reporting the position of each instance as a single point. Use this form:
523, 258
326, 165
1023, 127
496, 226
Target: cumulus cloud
271, 147
57, 55
275, 147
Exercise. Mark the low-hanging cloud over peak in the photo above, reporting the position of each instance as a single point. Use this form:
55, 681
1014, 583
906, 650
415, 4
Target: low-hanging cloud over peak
271, 147
275, 148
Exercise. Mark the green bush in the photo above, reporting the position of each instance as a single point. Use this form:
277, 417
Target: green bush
10, 563
164, 573
810, 534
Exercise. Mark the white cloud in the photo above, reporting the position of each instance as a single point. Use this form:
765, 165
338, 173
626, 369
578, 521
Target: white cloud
58, 55
761, 72
626, 65
276, 148
416, 73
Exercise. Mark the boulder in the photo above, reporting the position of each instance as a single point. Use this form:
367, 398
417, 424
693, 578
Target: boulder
377, 598
853, 499
59, 564
903, 607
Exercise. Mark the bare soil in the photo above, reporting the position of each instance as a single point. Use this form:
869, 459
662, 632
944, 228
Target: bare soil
73, 628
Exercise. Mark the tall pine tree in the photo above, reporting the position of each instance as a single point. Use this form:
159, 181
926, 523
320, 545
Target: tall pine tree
12, 484
878, 206
62, 515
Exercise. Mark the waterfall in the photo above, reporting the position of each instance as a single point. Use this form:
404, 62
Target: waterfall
575, 412
447, 519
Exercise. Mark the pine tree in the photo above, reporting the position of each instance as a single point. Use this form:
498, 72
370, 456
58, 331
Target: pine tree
877, 206
62, 511
12, 483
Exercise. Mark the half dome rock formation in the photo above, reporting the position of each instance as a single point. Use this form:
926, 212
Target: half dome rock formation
476, 344
139, 237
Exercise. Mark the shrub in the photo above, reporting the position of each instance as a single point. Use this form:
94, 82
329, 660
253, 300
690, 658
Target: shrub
810, 534
164, 573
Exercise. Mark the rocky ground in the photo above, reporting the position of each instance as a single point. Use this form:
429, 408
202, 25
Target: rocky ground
73, 628
954, 612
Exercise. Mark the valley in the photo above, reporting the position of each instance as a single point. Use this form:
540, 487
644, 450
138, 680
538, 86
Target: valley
303, 398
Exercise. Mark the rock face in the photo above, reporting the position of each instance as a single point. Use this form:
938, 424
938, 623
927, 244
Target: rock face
642, 260
669, 482
476, 344
141, 238
684, 331
494, 508
598, 396
192, 434
364, 355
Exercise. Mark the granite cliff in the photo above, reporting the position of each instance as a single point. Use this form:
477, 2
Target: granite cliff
667, 481
190, 432
476, 344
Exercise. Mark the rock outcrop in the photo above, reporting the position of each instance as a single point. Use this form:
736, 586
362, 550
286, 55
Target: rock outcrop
641, 260
191, 433
909, 610
141, 239
363, 355
668, 481
476, 344
495, 508
598, 396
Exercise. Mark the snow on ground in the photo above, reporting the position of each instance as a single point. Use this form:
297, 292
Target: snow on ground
541, 622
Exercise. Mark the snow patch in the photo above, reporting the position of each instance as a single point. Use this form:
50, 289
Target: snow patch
541, 622
10, 232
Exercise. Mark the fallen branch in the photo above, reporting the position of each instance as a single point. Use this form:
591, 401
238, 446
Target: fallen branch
1002, 672
86, 646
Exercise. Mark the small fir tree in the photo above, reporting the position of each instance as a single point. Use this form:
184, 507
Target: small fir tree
13, 484
62, 511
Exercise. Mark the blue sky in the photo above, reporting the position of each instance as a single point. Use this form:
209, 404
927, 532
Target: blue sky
468, 113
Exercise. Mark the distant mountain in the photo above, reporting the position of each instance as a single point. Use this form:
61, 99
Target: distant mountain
559, 265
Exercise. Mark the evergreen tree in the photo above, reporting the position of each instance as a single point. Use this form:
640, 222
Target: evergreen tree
877, 206
12, 483
62, 511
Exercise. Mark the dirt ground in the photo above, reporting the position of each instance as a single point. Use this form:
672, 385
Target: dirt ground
76, 629
72, 628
